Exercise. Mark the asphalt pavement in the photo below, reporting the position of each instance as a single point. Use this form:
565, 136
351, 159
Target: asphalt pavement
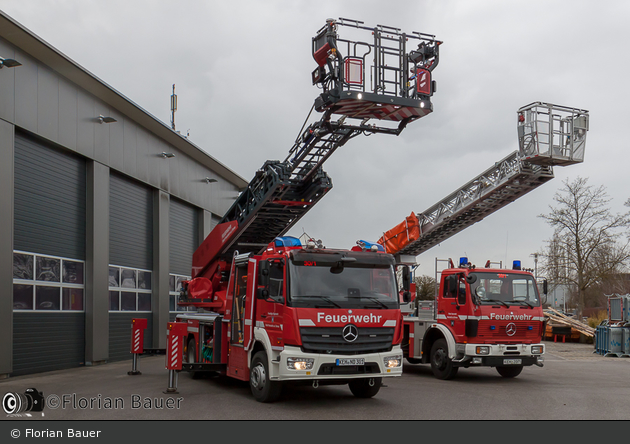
108, 392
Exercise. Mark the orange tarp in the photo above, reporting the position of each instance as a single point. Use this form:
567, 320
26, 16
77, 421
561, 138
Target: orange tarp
401, 235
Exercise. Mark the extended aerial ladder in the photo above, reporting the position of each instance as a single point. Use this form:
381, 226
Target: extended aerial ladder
374, 86
549, 135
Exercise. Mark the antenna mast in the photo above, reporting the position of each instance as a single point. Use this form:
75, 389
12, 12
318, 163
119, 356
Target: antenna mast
173, 107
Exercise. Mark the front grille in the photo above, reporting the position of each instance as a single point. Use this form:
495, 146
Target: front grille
332, 369
522, 332
330, 340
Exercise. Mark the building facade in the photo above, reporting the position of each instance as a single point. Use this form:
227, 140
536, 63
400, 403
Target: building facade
101, 208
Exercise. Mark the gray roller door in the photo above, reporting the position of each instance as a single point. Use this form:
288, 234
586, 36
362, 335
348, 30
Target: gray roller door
44, 342
130, 245
49, 219
49, 200
130, 224
183, 236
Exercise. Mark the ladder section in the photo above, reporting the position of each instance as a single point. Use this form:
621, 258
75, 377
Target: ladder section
496, 187
272, 203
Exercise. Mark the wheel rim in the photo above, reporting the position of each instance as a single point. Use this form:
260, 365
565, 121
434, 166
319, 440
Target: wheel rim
258, 377
439, 359
190, 354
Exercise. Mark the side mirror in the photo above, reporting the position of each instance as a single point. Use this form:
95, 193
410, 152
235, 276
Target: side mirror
262, 293
406, 296
471, 278
263, 273
406, 278
545, 287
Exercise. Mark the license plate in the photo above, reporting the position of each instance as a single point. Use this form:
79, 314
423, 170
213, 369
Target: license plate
512, 361
351, 361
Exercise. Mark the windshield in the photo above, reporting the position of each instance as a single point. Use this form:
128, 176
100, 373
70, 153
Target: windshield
355, 285
506, 289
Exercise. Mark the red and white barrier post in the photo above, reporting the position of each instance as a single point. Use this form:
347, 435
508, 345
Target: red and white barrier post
137, 343
174, 352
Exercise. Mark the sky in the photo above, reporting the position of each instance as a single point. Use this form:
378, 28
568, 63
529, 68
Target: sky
242, 74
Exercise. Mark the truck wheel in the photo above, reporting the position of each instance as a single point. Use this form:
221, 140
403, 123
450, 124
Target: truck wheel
511, 371
263, 389
190, 352
441, 364
190, 357
361, 388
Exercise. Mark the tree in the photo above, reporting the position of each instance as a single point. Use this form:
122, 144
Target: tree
425, 288
586, 248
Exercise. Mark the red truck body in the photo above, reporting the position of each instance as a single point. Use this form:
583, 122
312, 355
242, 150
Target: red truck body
481, 317
297, 314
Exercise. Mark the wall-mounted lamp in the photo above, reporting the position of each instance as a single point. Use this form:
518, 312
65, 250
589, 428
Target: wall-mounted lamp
9, 63
103, 119
210, 180
167, 155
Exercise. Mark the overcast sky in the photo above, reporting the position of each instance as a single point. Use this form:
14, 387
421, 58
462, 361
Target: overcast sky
242, 75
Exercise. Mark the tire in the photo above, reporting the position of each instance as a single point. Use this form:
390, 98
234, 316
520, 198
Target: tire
361, 388
190, 357
441, 364
263, 389
511, 371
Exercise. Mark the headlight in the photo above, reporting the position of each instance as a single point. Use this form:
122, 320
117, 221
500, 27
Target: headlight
392, 361
537, 349
482, 350
300, 363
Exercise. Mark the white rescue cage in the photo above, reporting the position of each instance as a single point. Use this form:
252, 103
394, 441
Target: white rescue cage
552, 134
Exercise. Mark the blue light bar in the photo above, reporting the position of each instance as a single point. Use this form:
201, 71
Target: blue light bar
516, 265
287, 241
368, 245
463, 261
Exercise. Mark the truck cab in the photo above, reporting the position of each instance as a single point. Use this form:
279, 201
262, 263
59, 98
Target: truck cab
301, 314
482, 317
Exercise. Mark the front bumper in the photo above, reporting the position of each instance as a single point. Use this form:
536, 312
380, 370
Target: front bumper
498, 355
325, 366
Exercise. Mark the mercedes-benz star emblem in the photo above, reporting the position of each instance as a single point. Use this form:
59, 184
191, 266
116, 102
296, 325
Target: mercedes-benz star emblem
350, 333
510, 329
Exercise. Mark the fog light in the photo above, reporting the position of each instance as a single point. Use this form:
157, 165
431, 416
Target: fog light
476, 360
537, 349
482, 350
392, 361
300, 363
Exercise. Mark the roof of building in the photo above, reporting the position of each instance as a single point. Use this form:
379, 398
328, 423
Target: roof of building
30, 43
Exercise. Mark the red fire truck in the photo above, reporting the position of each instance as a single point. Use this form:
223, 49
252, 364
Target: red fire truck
481, 317
485, 316
272, 311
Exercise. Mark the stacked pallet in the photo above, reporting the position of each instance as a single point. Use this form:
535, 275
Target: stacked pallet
556, 317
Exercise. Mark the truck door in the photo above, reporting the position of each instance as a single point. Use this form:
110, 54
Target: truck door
270, 311
454, 307
237, 358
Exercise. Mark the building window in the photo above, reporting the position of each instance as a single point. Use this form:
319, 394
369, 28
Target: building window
129, 289
47, 283
175, 285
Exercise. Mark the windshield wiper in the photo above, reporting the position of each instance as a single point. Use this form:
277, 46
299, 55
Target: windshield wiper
327, 299
382, 304
526, 303
497, 301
